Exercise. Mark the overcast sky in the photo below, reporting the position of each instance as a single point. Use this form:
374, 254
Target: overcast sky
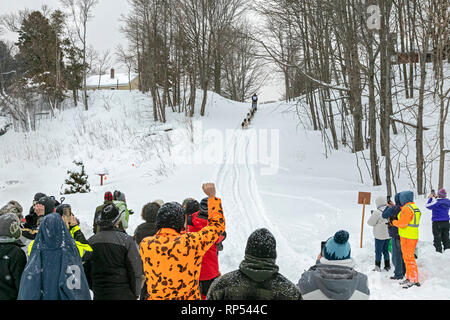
103, 30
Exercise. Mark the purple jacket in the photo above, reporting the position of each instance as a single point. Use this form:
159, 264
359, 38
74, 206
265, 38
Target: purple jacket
440, 209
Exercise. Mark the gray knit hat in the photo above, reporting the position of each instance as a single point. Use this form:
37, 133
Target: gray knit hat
9, 228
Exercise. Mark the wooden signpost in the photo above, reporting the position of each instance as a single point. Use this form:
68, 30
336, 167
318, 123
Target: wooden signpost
101, 178
364, 199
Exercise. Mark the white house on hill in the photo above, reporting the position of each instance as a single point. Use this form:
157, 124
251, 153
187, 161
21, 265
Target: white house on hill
113, 81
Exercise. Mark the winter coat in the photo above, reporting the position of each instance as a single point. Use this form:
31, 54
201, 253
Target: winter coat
210, 263
172, 261
380, 227
440, 208
391, 213
124, 212
54, 270
256, 279
334, 280
114, 269
12, 264
407, 214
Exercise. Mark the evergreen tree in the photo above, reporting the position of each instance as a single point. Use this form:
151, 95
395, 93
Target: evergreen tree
41, 54
78, 180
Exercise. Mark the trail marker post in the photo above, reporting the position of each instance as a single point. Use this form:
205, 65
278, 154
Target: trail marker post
364, 199
101, 178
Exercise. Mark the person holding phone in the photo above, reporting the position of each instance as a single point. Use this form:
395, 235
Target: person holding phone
390, 213
333, 277
72, 224
381, 235
440, 206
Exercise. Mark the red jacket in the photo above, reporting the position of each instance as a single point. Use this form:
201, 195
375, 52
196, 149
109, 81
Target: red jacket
210, 263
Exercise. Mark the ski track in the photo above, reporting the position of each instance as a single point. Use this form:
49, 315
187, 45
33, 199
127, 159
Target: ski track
245, 211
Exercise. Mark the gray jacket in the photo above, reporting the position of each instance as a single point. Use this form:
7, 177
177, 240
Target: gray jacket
380, 227
329, 280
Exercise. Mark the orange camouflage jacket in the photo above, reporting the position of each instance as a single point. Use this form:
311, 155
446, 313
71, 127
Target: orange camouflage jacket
172, 261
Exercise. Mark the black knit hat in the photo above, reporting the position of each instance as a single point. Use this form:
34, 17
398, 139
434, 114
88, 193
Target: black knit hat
261, 244
38, 196
48, 203
203, 208
109, 216
170, 215
192, 206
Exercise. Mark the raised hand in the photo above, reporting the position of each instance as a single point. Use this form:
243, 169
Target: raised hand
209, 189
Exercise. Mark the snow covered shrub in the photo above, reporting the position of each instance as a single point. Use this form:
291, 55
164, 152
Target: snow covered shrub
78, 180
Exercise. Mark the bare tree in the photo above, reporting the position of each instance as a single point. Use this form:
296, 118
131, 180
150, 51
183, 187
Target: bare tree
81, 11
103, 64
127, 59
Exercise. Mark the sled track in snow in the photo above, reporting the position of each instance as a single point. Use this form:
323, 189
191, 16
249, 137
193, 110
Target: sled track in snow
245, 210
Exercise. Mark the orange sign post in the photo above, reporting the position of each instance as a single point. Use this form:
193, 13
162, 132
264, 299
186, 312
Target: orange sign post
364, 199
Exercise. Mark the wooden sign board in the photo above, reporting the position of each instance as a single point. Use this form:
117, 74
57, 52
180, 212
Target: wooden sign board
364, 198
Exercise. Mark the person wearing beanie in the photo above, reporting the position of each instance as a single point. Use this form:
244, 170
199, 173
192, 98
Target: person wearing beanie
172, 261
391, 213
196, 220
72, 224
381, 234
334, 277
43, 206
12, 207
191, 207
408, 229
148, 228
114, 269
185, 201
257, 277
108, 199
121, 203
440, 206
54, 270
13, 259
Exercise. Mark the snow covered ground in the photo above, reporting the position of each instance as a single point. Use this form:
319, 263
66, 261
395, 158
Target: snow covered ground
273, 175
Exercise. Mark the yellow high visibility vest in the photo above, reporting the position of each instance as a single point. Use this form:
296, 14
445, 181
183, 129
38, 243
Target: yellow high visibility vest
412, 230
80, 246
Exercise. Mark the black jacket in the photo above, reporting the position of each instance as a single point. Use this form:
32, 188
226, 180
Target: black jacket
98, 210
256, 279
114, 269
147, 229
11, 269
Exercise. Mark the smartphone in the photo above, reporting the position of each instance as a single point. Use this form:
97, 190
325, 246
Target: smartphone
389, 198
322, 245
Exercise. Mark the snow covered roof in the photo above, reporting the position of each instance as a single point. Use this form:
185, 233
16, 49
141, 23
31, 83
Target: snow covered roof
120, 79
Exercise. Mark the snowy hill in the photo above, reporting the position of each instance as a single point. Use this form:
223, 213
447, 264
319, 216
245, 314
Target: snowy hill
273, 175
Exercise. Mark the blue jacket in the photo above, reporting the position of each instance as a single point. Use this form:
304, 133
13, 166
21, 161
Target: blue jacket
54, 270
440, 209
393, 212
